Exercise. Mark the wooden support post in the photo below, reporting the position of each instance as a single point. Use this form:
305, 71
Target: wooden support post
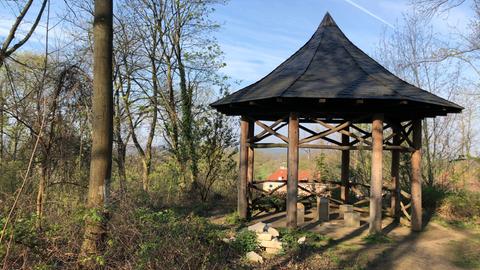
292, 181
395, 174
242, 204
417, 176
250, 156
345, 174
376, 182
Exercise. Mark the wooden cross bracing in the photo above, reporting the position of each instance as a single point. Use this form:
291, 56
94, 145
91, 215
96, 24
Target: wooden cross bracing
385, 135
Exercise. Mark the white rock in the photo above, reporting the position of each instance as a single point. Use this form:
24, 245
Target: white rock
273, 251
352, 219
264, 236
273, 232
302, 240
274, 243
258, 227
228, 240
344, 208
254, 257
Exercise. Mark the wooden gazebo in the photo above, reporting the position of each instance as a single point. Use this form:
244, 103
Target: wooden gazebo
332, 83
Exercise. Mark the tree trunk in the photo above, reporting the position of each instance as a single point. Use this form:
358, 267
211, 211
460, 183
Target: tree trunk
186, 109
41, 194
345, 172
102, 126
121, 147
1, 124
416, 184
376, 182
242, 203
145, 175
292, 167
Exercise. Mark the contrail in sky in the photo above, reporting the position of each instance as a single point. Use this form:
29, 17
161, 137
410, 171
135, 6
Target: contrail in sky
369, 13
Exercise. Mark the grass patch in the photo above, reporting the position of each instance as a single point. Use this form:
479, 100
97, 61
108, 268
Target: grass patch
470, 224
377, 238
234, 219
466, 254
290, 238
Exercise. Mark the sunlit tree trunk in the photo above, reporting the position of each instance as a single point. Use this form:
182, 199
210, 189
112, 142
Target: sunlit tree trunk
102, 126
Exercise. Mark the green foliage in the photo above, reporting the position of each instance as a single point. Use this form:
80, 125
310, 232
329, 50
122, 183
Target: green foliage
466, 254
23, 232
290, 238
233, 219
377, 238
10, 176
168, 240
457, 208
275, 202
322, 168
246, 241
94, 214
461, 206
432, 196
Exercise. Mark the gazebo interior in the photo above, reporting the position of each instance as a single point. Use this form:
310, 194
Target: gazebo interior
358, 105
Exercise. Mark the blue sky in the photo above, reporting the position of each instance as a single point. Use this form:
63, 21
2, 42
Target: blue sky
257, 35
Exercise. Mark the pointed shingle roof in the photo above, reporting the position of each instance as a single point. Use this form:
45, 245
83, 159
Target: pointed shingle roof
327, 75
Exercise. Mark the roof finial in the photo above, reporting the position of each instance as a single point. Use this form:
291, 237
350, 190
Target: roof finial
327, 21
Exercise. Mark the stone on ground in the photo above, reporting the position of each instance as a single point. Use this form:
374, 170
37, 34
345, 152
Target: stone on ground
352, 219
258, 227
344, 208
273, 251
323, 211
274, 243
254, 257
300, 213
274, 232
302, 240
264, 236
228, 240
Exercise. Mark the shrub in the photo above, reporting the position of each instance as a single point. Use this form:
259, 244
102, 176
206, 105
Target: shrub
460, 206
233, 219
276, 202
246, 241
432, 196
168, 240
290, 237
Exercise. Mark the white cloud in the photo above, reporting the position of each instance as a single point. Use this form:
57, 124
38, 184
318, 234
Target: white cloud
369, 13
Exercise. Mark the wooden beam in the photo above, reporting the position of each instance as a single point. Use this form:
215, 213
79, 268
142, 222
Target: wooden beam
395, 174
315, 133
353, 135
292, 166
259, 137
376, 182
266, 134
345, 173
332, 147
325, 133
417, 176
271, 131
242, 204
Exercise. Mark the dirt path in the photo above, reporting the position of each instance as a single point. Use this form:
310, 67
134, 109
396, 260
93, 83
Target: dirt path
436, 248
